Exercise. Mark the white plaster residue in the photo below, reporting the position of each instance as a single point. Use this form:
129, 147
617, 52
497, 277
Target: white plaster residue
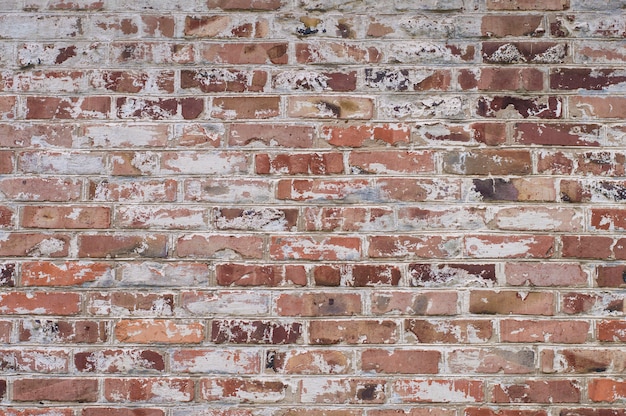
47, 247
483, 249
440, 391
164, 392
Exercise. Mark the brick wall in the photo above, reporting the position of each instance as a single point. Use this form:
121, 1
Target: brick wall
312, 207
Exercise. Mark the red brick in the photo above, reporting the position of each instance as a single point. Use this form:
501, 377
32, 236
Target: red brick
260, 275
229, 108
8, 107
63, 331
587, 246
418, 190
536, 391
545, 107
215, 361
606, 390
422, 303
134, 81
488, 162
275, 135
512, 25
68, 108
245, 4
147, 331
491, 361
353, 332
310, 362
111, 411
147, 53
36, 411
66, 217
40, 303
391, 162
224, 26
611, 330
509, 302
318, 304
315, 248
585, 78
528, 4
242, 390
5, 331
449, 331
592, 412
295, 164
608, 219
586, 360
397, 361
515, 189
545, 274
358, 135
560, 134
557, 331
514, 246
7, 162
438, 391
485, 411
152, 390
301, 80
206, 246
407, 79
122, 246
341, 391
245, 53
357, 275
254, 332
70, 273
119, 361
55, 390
597, 107
611, 276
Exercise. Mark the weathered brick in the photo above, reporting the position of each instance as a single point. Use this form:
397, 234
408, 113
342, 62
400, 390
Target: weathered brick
119, 361
245, 53
528, 5
295, 164
414, 247
586, 79
125, 304
391, 162
152, 390
501, 79
327, 52
499, 106
229, 108
63, 331
254, 332
514, 246
41, 303
534, 391
258, 275
330, 107
545, 274
606, 390
357, 275
309, 362
92, 107
511, 25
34, 361
348, 219
341, 391
233, 302
220, 246
262, 135
360, 134
449, 331
439, 391
161, 331
491, 360
524, 52
215, 361
315, 248
454, 275
488, 162
66, 217
245, 390
122, 246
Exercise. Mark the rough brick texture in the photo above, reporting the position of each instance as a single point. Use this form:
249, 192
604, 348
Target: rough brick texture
312, 207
